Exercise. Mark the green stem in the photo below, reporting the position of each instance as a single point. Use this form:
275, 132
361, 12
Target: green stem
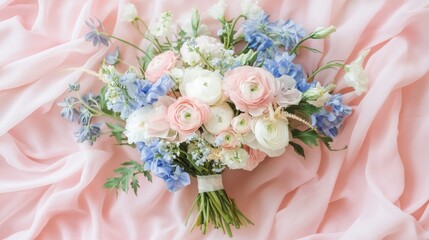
299, 43
132, 45
326, 66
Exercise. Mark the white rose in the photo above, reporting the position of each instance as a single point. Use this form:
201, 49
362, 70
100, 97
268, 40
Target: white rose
287, 94
251, 9
235, 158
317, 96
355, 75
241, 123
130, 13
217, 11
271, 134
202, 84
220, 119
136, 127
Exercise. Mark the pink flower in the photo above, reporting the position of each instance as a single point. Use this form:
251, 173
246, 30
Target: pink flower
227, 139
255, 157
251, 89
187, 114
157, 124
160, 65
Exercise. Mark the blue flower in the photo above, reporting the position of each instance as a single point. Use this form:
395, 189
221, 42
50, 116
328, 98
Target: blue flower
157, 159
112, 58
95, 36
88, 133
68, 112
84, 115
330, 119
289, 33
281, 64
255, 32
159, 88
118, 101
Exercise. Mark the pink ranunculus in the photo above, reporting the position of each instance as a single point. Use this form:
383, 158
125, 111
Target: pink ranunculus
251, 89
157, 124
255, 157
228, 139
187, 114
160, 65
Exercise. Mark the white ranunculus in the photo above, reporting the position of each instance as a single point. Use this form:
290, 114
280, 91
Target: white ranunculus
287, 94
251, 9
220, 119
202, 84
355, 75
242, 123
235, 158
217, 11
130, 13
136, 127
317, 96
271, 134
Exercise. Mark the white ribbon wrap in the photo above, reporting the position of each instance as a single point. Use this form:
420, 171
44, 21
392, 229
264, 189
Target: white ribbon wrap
209, 183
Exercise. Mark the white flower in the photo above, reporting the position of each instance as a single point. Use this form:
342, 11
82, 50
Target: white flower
251, 9
177, 74
208, 47
271, 134
227, 139
185, 24
136, 127
130, 13
355, 75
202, 84
235, 158
220, 119
287, 94
163, 26
107, 73
322, 32
317, 96
241, 123
217, 11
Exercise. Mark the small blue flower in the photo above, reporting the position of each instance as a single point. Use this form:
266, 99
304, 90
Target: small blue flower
289, 33
255, 32
157, 158
88, 133
159, 88
330, 119
73, 87
95, 36
112, 58
281, 64
68, 112
84, 116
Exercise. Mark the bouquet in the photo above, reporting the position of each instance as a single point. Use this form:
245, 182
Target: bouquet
198, 104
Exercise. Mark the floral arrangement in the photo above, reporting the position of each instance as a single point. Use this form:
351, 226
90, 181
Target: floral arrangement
197, 104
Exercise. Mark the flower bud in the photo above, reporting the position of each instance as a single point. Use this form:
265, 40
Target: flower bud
130, 13
321, 32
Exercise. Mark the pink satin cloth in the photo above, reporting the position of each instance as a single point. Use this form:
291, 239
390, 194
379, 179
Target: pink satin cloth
378, 188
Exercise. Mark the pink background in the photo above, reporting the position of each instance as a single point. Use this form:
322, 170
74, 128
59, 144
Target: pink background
376, 189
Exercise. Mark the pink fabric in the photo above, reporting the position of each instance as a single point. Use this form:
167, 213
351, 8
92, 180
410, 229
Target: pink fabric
376, 189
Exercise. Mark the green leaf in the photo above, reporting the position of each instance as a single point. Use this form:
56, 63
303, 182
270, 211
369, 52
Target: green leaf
304, 108
127, 177
298, 149
117, 131
309, 136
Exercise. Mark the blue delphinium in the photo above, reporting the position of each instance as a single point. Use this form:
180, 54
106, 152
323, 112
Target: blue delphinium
282, 64
96, 36
261, 34
159, 88
255, 33
112, 58
69, 112
158, 158
89, 132
330, 119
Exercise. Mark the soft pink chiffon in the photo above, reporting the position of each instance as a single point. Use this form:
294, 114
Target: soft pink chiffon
378, 188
